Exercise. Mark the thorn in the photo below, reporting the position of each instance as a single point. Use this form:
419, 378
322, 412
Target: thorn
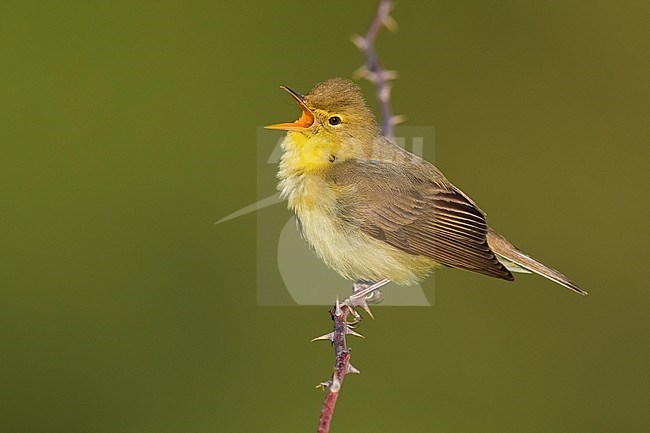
396, 120
324, 385
390, 23
389, 75
359, 42
362, 72
329, 337
349, 331
337, 310
353, 370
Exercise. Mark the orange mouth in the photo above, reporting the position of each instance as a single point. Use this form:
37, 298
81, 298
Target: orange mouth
307, 118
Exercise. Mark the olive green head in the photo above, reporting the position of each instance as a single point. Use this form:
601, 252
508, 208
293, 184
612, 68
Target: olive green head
335, 114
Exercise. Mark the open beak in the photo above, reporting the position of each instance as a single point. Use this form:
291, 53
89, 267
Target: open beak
306, 121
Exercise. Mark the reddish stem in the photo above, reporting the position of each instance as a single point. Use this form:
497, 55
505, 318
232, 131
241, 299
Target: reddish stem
341, 367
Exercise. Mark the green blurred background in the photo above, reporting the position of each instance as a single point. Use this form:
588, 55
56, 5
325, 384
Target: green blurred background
128, 128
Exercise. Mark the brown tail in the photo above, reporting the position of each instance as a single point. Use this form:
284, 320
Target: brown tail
509, 255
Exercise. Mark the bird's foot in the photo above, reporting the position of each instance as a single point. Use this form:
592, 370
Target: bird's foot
365, 293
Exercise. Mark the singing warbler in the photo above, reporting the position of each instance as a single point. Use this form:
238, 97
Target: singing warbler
373, 211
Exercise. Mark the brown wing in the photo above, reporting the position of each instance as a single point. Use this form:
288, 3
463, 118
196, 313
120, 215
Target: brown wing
403, 207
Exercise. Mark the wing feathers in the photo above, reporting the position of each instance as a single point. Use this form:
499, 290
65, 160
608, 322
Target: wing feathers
417, 215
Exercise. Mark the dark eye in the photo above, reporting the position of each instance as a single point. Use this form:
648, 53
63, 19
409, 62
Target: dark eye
334, 120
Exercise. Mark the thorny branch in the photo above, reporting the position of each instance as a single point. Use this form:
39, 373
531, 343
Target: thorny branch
380, 77
342, 364
373, 72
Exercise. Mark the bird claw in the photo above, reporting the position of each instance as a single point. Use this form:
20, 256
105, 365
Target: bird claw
356, 320
364, 294
367, 309
357, 317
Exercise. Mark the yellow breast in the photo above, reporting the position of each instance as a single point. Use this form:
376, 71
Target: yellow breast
339, 243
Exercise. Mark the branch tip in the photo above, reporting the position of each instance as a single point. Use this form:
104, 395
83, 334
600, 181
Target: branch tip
371, 70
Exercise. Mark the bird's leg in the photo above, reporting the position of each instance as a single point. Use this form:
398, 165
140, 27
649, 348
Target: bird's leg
364, 294
375, 297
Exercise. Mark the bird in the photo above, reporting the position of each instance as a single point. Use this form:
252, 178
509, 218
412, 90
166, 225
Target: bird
374, 212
